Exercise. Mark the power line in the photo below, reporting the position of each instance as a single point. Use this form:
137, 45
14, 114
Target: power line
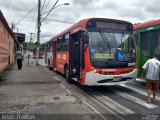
43, 5
26, 15
61, 21
50, 10
35, 34
33, 20
46, 5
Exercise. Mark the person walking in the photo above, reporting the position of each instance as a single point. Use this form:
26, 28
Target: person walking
152, 68
19, 58
28, 57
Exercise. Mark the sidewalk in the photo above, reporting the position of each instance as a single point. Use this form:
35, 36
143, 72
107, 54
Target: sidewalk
34, 91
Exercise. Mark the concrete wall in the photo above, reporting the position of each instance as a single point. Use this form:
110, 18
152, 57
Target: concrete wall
6, 46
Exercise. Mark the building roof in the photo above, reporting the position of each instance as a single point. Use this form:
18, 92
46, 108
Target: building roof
2, 18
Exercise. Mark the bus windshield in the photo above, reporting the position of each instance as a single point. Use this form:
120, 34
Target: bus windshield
111, 47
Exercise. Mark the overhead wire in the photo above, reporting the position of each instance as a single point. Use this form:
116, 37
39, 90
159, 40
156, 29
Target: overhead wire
35, 33
43, 5
26, 14
61, 21
46, 6
33, 19
50, 10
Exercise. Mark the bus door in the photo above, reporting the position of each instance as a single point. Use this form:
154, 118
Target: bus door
146, 48
157, 42
77, 55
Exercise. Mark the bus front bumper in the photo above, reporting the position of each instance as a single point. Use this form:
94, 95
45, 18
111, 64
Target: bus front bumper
96, 79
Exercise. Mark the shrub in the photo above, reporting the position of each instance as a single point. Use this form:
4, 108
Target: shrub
4, 72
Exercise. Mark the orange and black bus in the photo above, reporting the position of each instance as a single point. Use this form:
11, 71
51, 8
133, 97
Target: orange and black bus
96, 51
41, 53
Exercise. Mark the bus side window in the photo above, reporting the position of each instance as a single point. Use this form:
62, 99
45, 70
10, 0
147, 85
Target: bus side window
157, 40
59, 43
145, 38
66, 42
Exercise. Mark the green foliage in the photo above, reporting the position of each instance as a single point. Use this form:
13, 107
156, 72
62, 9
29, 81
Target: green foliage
9, 67
4, 72
29, 46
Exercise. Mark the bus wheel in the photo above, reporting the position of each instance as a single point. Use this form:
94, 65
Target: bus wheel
69, 80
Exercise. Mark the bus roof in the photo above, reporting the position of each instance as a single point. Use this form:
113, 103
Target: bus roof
82, 23
147, 24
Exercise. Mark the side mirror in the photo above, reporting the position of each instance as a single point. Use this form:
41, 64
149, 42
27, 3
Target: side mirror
85, 36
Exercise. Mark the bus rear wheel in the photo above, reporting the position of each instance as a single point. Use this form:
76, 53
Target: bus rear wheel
69, 80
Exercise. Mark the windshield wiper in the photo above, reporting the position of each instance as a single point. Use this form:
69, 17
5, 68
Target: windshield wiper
121, 40
104, 39
115, 41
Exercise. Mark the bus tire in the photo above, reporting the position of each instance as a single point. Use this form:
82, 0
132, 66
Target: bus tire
69, 80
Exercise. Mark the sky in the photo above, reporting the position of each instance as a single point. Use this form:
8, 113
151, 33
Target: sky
23, 14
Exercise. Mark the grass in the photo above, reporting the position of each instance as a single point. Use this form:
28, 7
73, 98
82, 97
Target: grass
5, 71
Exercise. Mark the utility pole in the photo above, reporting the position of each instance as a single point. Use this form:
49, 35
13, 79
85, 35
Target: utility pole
31, 37
13, 27
38, 32
29, 44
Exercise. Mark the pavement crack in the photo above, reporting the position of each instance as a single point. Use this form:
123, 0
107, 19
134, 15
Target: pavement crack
14, 109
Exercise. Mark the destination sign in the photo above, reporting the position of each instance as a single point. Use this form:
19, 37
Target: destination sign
110, 25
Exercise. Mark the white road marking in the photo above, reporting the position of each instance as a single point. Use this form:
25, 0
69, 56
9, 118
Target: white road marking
56, 78
113, 104
138, 91
69, 91
135, 99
